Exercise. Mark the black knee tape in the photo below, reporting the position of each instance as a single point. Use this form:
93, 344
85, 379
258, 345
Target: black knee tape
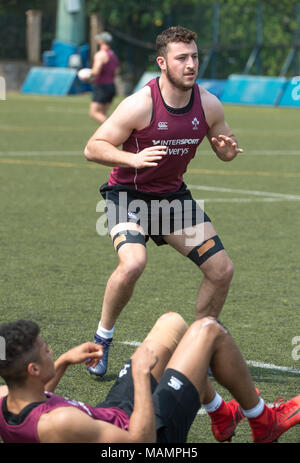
205, 250
128, 236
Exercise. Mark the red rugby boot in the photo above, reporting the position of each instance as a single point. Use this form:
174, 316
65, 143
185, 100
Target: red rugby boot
225, 420
274, 421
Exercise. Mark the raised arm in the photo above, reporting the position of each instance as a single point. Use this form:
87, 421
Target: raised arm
134, 112
68, 424
220, 135
88, 352
142, 421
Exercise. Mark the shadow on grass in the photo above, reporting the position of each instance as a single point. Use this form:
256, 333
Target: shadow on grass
272, 376
103, 379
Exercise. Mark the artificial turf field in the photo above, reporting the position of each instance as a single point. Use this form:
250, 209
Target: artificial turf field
54, 266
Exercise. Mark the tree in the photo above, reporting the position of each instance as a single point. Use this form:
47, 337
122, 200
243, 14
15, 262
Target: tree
238, 27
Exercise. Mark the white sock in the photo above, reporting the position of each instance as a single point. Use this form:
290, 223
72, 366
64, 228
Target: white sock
106, 334
214, 404
255, 411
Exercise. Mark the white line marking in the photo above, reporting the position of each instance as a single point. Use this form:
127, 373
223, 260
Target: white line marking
253, 363
260, 153
243, 200
131, 343
55, 109
41, 153
245, 192
274, 153
270, 366
71, 153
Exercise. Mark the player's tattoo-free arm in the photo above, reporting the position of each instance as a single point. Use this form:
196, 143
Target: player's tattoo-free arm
99, 60
142, 421
68, 424
103, 146
220, 135
88, 352
71, 425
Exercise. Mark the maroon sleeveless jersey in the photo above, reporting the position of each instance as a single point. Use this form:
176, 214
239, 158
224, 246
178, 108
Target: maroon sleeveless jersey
26, 431
180, 132
108, 70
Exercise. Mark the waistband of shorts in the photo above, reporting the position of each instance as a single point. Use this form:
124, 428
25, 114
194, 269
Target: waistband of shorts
143, 194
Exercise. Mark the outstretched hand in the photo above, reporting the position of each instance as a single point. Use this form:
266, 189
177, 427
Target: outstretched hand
89, 352
225, 147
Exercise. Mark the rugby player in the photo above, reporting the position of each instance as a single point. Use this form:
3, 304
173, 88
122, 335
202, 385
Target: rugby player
155, 398
160, 128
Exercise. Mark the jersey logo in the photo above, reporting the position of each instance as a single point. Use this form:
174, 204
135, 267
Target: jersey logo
175, 383
162, 126
195, 123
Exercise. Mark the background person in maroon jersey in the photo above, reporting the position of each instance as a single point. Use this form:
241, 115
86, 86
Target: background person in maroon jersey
105, 65
160, 128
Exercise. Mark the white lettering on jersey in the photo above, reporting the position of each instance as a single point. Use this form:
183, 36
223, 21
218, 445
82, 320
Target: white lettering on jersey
175, 142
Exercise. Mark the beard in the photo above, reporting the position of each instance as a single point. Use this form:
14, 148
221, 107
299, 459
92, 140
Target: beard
177, 82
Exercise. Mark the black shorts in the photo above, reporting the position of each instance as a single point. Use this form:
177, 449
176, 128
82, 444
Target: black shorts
157, 214
176, 402
103, 93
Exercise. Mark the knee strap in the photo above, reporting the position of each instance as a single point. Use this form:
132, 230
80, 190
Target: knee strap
128, 236
205, 250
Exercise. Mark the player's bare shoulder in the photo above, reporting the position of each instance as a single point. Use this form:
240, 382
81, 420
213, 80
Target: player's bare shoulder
138, 108
101, 56
213, 108
56, 425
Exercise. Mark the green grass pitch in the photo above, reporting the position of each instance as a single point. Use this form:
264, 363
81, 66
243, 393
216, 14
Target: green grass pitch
54, 266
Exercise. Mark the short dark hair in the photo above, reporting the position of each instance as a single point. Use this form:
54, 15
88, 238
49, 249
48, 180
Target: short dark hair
20, 350
173, 34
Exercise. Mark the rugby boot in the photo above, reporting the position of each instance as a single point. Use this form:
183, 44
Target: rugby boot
101, 367
225, 420
275, 420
